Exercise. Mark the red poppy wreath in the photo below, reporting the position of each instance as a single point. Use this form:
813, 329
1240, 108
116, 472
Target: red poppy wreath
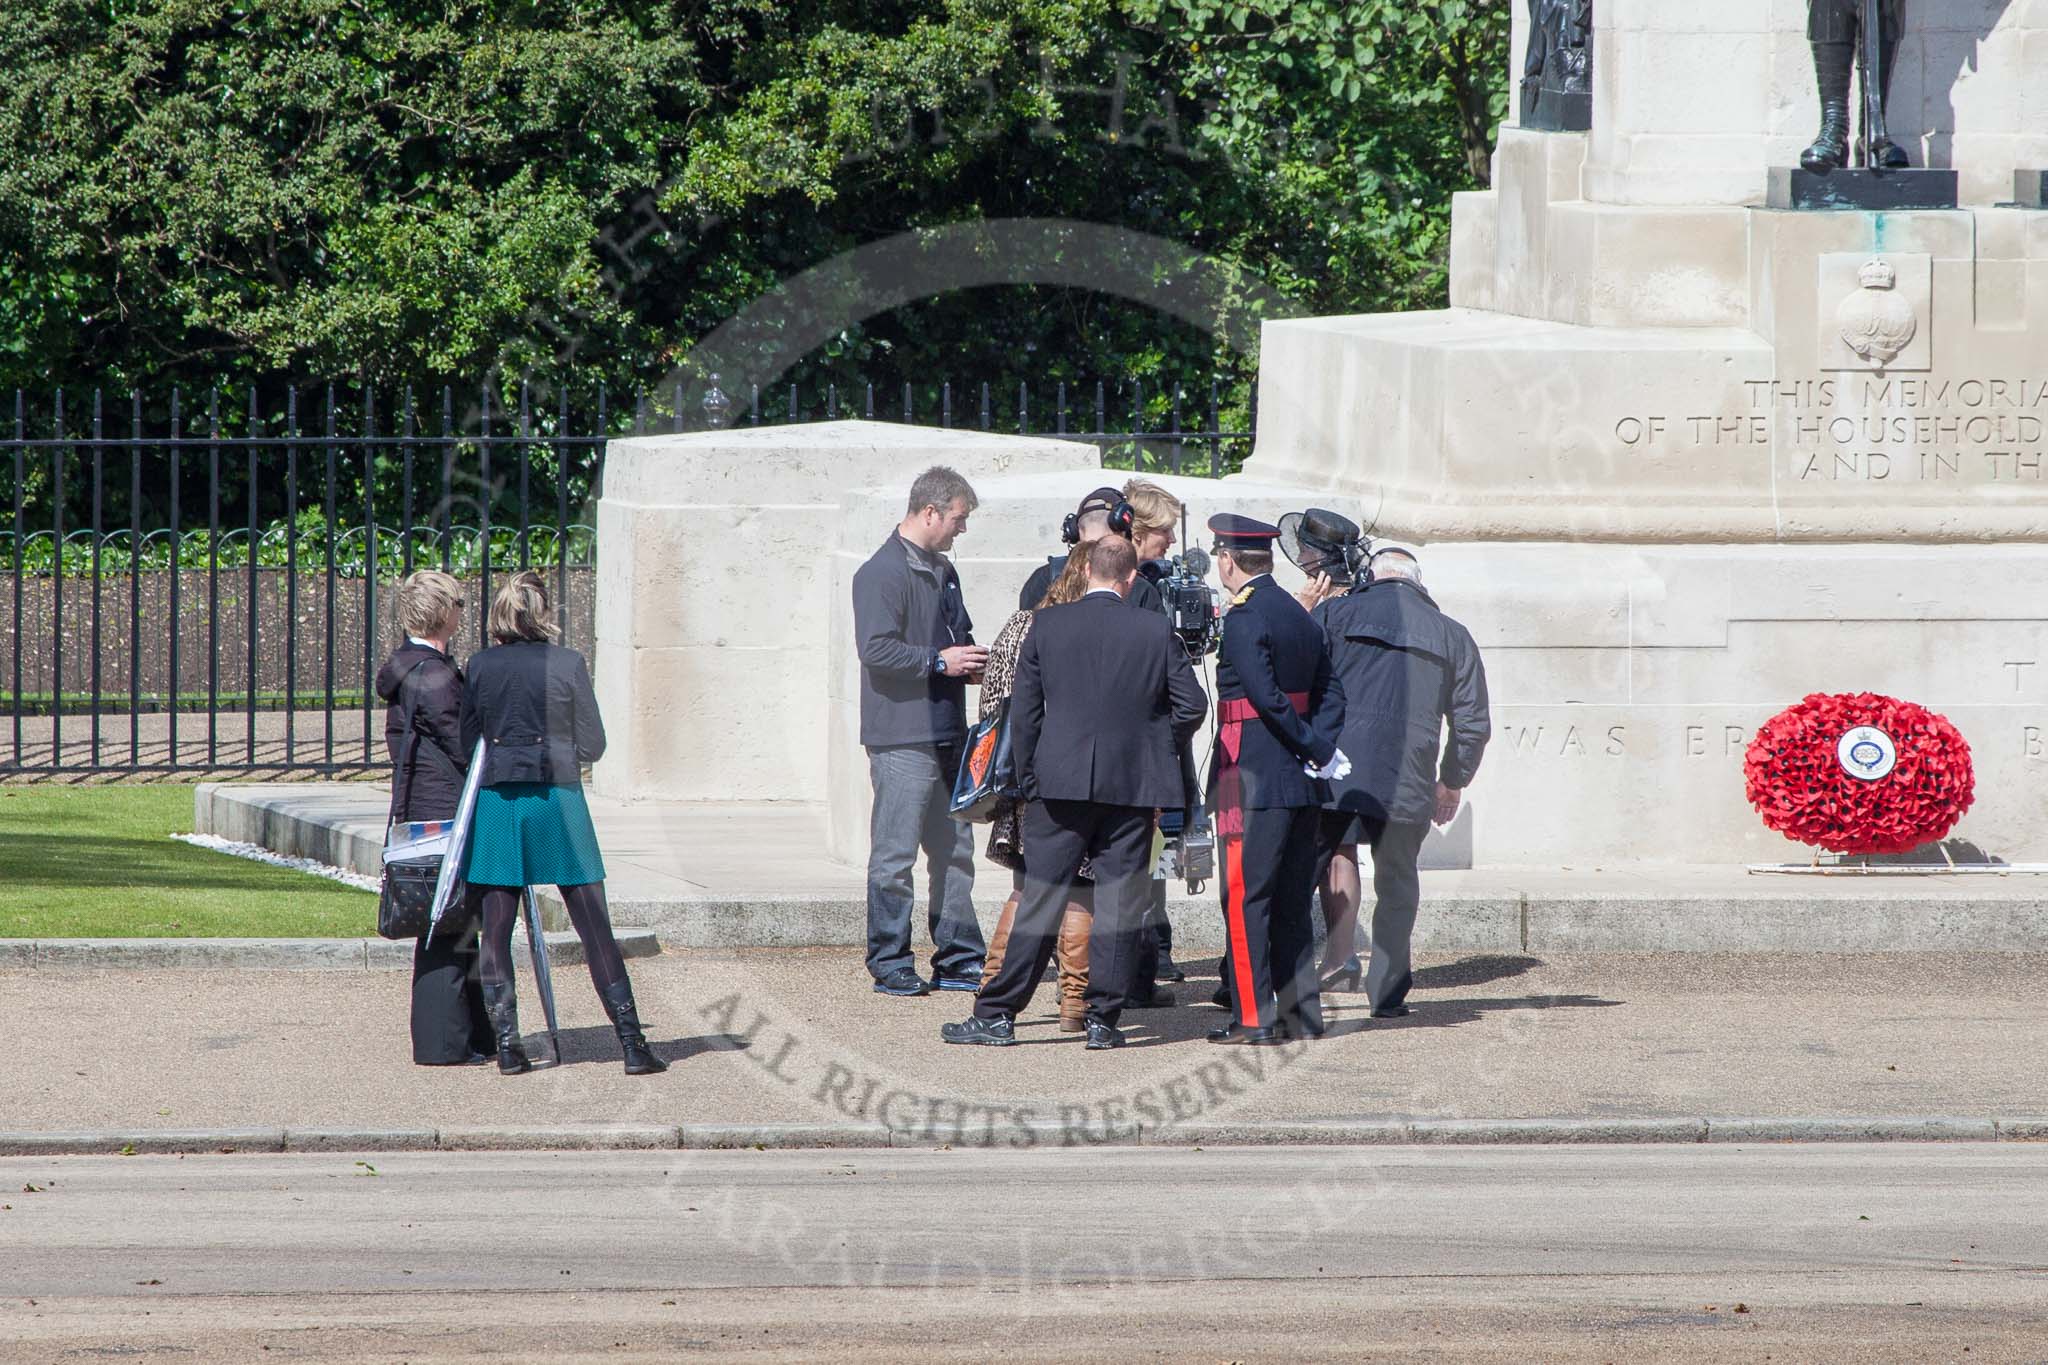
1860, 773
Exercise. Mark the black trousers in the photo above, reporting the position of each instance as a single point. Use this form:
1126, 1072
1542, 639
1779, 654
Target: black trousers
448, 1020
1057, 836
1155, 938
1269, 879
1396, 891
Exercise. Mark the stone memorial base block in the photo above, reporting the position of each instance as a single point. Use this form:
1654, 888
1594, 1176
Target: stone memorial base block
1795, 187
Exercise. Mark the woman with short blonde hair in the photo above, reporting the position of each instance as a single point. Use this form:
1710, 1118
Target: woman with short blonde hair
1155, 514
422, 691
532, 701
427, 603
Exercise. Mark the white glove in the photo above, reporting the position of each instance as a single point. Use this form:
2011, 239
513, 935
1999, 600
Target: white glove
1336, 770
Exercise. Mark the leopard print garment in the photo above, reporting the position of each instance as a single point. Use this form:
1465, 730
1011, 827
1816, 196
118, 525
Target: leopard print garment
1001, 674
1005, 835
1006, 830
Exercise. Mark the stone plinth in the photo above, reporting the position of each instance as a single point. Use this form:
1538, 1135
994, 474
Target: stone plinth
1628, 681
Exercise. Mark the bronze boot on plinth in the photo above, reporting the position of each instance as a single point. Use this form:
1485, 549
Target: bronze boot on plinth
1837, 30
1835, 65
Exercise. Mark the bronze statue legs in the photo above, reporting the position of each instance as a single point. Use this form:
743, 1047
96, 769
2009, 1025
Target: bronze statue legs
1835, 65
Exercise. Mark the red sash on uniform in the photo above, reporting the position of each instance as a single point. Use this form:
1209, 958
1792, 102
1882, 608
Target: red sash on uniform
1231, 715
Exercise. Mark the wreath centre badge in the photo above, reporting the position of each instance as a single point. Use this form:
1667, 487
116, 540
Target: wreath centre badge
1868, 753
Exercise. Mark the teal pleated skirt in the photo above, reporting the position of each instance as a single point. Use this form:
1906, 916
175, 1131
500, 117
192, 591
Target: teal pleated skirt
533, 834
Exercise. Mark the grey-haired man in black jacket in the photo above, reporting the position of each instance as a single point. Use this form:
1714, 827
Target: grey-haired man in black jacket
917, 655
1406, 670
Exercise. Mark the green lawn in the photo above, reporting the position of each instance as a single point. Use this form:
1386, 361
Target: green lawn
98, 862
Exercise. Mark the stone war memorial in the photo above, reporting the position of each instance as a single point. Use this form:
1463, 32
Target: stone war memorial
1679, 453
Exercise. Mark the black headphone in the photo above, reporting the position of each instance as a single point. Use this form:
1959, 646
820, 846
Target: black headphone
1122, 517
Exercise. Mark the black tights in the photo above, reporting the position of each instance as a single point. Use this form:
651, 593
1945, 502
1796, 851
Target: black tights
586, 912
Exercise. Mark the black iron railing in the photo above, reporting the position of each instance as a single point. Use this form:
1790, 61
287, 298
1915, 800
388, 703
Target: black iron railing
208, 583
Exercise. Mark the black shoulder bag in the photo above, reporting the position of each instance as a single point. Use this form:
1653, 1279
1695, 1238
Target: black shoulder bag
405, 903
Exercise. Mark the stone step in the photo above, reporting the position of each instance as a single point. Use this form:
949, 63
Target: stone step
704, 875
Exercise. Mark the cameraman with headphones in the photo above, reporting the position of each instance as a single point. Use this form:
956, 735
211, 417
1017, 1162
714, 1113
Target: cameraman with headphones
1103, 512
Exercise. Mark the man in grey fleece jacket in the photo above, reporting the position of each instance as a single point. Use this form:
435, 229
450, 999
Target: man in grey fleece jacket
917, 655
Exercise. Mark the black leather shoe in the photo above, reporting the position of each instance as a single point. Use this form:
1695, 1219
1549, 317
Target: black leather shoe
1158, 998
1249, 1037
1220, 997
1392, 1012
1102, 1037
1168, 969
976, 1031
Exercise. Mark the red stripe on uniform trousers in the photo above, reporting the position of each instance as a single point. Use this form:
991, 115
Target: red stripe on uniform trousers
1240, 942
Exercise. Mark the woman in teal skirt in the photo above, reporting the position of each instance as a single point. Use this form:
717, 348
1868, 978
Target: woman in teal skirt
533, 701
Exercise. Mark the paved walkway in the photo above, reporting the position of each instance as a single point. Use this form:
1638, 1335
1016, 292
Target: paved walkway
796, 1036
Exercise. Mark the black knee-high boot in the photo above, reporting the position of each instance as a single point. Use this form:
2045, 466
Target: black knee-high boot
501, 1002
1835, 66
618, 1003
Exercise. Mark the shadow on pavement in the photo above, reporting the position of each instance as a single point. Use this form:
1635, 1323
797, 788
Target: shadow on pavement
1151, 1028
1474, 971
597, 1043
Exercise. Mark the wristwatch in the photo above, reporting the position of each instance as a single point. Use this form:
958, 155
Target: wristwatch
938, 662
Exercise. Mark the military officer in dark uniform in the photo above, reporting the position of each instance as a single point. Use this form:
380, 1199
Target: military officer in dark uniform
1278, 716
1835, 28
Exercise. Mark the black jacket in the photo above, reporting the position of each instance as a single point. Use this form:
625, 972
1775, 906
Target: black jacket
534, 702
1405, 668
1102, 703
1841, 21
1271, 649
1144, 592
424, 690
904, 613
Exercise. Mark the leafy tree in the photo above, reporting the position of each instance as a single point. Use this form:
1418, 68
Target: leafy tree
371, 191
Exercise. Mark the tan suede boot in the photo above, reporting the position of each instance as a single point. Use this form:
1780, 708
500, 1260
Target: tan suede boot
999, 942
1075, 925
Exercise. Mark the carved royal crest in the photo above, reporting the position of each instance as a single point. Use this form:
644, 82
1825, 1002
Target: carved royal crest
1877, 322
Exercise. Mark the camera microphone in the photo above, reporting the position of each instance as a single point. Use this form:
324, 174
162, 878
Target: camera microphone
1197, 562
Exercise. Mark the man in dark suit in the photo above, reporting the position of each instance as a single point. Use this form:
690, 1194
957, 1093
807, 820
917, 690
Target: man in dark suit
1278, 717
1100, 705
